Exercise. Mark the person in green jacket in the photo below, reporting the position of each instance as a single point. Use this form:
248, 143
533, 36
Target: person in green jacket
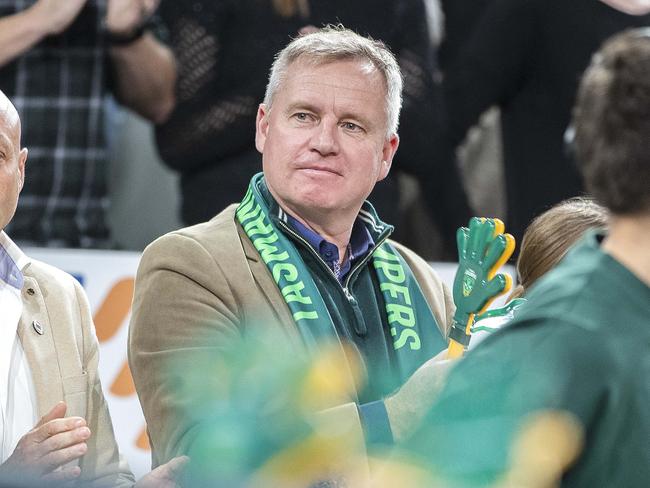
580, 344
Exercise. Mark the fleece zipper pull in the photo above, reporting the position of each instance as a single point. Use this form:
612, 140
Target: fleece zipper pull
360, 327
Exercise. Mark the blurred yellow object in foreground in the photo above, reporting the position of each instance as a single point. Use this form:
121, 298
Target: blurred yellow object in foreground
548, 443
333, 378
335, 452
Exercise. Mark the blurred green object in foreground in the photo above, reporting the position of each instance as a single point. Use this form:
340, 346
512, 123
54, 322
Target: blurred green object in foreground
260, 399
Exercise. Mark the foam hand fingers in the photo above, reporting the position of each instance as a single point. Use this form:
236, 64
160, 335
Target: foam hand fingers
495, 250
500, 284
505, 255
499, 226
483, 248
486, 235
462, 235
476, 229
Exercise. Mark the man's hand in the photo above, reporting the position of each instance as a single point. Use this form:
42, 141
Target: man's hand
123, 17
409, 405
165, 475
56, 15
42, 453
482, 249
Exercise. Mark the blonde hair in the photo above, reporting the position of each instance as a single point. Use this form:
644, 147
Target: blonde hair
550, 235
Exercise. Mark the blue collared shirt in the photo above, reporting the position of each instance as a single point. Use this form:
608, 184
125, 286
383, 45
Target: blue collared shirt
10, 272
361, 242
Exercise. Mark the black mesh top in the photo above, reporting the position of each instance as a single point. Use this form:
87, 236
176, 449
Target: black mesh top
224, 50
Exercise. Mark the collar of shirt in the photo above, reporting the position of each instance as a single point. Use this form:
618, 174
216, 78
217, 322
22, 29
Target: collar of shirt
12, 262
361, 243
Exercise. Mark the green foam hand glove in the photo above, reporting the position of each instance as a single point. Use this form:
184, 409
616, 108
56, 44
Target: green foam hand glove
482, 249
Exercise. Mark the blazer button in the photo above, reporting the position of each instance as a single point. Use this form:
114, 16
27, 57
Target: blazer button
30, 291
38, 327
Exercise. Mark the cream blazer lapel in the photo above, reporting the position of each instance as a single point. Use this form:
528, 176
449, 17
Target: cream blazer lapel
55, 353
40, 349
63, 360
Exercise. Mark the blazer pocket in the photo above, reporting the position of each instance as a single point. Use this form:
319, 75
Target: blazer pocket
75, 392
75, 384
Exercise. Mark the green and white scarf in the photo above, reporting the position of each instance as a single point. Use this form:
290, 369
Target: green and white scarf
415, 333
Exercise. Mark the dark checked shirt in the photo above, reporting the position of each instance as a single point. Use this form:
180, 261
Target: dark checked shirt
58, 87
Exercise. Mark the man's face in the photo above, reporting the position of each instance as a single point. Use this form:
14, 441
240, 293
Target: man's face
12, 161
324, 142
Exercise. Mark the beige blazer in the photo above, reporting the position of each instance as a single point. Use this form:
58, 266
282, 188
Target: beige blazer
58, 336
195, 289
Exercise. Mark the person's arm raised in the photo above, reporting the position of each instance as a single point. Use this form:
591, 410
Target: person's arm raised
144, 68
19, 32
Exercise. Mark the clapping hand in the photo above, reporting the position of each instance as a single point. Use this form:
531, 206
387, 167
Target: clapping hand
42, 453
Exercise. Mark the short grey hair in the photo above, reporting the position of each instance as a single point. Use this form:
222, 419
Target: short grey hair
336, 43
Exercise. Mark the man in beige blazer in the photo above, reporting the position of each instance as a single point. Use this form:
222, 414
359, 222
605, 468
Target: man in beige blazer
327, 134
49, 365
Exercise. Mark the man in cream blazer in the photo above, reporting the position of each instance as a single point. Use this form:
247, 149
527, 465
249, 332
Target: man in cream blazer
59, 344
48, 362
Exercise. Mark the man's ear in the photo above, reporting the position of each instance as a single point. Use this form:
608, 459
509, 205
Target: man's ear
388, 153
261, 127
22, 159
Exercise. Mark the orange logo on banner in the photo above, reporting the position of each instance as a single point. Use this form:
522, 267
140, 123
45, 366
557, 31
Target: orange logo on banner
114, 310
123, 385
143, 441
109, 318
